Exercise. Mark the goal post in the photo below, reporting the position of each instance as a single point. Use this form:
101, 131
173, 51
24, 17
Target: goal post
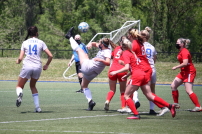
114, 36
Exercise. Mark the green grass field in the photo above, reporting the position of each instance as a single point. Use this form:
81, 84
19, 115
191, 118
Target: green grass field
64, 112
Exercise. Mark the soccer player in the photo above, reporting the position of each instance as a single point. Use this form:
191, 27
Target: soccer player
91, 67
115, 65
186, 76
77, 61
151, 56
138, 79
32, 65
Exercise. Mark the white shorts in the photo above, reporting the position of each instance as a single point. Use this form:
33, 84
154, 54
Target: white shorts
153, 76
88, 70
30, 72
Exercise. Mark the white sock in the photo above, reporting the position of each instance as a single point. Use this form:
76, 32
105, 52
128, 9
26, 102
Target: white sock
18, 91
74, 44
151, 105
36, 100
135, 97
87, 93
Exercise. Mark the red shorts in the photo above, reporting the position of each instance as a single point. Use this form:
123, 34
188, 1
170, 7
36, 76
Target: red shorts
148, 75
140, 78
117, 77
187, 77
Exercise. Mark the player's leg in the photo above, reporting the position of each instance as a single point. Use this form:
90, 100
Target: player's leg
85, 82
35, 94
175, 84
192, 96
153, 84
152, 97
129, 90
19, 90
110, 94
80, 75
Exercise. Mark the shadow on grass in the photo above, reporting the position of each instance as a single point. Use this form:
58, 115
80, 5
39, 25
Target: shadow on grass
36, 112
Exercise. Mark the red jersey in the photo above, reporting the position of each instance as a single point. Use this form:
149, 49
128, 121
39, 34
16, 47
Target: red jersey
139, 50
184, 54
116, 54
130, 59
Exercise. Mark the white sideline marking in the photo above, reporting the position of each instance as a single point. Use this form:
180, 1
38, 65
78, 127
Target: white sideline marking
39, 91
63, 131
80, 117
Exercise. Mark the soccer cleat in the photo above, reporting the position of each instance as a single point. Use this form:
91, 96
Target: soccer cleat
196, 109
80, 91
172, 110
177, 105
106, 108
19, 100
152, 112
137, 105
125, 110
134, 117
119, 110
38, 110
91, 104
163, 111
69, 33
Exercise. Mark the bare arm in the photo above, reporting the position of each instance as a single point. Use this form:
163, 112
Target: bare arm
183, 64
92, 44
124, 69
20, 57
50, 57
155, 57
71, 60
106, 61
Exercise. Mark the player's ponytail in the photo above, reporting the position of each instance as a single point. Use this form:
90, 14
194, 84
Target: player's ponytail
32, 31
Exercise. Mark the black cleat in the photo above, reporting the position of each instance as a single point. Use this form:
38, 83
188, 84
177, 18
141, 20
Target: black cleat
80, 91
19, 100
91, 104
69, 33
152, 112
137, 105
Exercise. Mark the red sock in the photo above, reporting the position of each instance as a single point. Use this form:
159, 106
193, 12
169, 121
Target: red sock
175, 95
194, 99
158, 104
123, 101
131, 105
158, 100
110, 95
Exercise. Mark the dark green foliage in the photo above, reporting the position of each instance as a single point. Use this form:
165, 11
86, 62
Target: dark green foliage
169, 20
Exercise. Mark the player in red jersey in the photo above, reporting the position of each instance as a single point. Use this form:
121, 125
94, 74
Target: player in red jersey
138, 79
186, 76
116, 54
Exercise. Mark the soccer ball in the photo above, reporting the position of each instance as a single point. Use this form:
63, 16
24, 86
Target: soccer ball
83, 27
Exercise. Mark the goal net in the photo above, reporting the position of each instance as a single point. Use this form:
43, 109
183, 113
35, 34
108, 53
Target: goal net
115, 37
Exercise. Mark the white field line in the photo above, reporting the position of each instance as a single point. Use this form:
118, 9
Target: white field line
62, 131
80, 117
39, 91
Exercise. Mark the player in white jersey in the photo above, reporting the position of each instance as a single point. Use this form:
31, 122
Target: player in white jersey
32, 65
91, 67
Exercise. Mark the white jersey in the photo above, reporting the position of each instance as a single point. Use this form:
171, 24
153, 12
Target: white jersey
151, 52
102, 54
90, 66
33, 48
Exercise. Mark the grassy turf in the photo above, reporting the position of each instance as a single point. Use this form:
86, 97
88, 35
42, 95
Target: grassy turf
10, 71
64, 112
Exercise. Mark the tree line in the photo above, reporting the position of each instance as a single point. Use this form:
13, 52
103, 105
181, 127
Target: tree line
168, 19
